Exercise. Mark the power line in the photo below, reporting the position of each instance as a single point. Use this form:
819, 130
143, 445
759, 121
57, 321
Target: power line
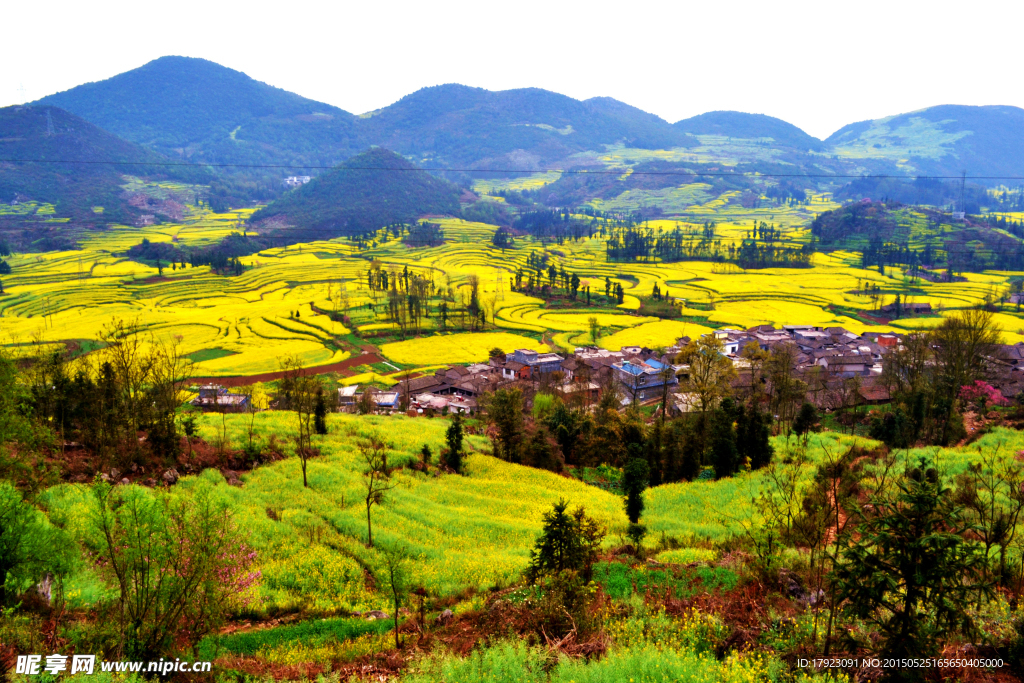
842, 176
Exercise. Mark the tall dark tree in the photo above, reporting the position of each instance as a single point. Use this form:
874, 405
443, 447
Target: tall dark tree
505, 412
453, 440
753, 437
724, 455
635, 478
320, 413
569, 541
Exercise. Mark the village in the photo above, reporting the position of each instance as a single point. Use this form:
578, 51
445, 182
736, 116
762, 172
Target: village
841, 370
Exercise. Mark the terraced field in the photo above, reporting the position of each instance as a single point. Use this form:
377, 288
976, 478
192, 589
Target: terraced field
243, 325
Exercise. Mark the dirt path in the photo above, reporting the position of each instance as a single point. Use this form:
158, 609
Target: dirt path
245, 380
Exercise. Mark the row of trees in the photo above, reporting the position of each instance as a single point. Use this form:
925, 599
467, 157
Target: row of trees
643, 244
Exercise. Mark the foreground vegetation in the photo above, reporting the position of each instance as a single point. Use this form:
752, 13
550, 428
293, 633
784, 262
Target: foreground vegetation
294, 525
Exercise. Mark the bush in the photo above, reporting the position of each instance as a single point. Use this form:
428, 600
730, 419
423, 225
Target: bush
179, 565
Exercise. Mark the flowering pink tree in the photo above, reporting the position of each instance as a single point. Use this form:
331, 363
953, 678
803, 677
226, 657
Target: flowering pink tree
982, 394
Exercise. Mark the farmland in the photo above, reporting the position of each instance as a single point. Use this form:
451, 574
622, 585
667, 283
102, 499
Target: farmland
293, 301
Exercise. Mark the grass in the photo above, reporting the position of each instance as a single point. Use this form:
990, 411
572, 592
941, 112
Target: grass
311, 633
204, 355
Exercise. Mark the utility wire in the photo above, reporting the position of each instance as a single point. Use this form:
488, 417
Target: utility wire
507, 170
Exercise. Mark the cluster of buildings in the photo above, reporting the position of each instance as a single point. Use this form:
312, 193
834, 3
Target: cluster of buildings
841, 369
296, 180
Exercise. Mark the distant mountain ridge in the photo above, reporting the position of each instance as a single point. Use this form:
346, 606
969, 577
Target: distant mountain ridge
944, 140
737, 124
198, 110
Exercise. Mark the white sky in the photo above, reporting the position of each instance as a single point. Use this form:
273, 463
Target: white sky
818, 65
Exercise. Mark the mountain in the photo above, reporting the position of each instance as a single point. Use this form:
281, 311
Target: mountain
525, 128
365, 193
31, 135
737, 124
201, 111
942, 140
198, 110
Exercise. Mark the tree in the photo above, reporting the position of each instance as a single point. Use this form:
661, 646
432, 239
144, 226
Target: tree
991, 492
909, 570
179, 565
753, 437
805, 419
786, 389
258, 401
394, 575
27, 542
505, 413
539, 451
301, 390
724, 455
567, 542
320, 413
377, 477
963, 344
595, 329
710, 375
453, 440
635, 477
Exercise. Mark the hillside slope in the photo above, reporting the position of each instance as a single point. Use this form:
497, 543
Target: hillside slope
38, 150
737, 124
942, 140
198, 110
370, 190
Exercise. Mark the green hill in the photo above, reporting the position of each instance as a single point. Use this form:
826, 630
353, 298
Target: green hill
370, 190
942, 140
737, 124
198, 110
38, 148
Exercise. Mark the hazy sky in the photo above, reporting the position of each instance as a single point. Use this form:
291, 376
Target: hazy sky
819, 65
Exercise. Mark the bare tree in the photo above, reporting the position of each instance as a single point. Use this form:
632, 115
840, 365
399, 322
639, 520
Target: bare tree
170, 372
395, 576
302, 388
258, 402
378, 477
125, 350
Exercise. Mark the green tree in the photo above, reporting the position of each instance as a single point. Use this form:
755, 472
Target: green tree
724, 454
26, 542
910, 571
320, 413
539, 451
567, 542
453, 439
505, 412
595, 329
805, 419
753, 437
635, 478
